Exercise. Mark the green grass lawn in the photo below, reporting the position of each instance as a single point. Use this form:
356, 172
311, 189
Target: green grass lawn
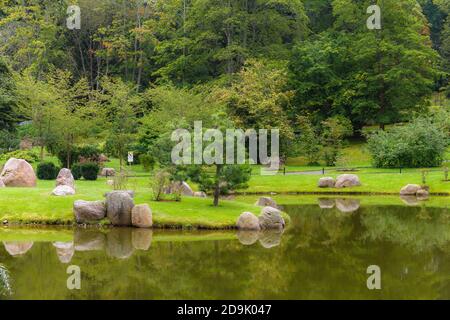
36, 205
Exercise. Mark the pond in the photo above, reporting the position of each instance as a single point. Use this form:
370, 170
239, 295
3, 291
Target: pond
324, 254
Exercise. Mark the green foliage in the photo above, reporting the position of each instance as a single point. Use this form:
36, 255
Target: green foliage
47, 171
77, 171
420, 143
147, 162
159, 182
8, 141
8, 98
90, 170
27, 155
334, 130
309, 142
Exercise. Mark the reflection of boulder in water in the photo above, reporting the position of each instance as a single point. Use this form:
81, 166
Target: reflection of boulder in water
325, 203
347, 205
142, 239
119, 243
270, 238
247, 237
65, 251
89, 240
18, 248
410, 200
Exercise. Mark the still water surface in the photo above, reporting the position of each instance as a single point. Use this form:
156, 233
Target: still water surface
324, 254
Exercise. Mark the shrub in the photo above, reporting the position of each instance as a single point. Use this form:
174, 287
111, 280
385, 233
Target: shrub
147, 161
90, 170
28, 155
47, 171
421, 143
76, 171
80, 154
158, 183
8, 141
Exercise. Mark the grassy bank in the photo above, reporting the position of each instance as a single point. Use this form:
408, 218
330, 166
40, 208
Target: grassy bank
36, 205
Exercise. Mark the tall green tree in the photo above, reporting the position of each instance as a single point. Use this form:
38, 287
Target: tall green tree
8, 98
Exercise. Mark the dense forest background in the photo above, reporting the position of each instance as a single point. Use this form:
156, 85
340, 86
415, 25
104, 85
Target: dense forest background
139, 68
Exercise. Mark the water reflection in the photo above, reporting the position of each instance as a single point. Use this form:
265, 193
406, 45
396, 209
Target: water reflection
324, 253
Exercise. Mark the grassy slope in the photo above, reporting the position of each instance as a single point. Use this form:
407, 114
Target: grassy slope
37, 205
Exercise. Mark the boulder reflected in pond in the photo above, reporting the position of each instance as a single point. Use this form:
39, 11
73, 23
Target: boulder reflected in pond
270, 238
142, 239
89, 240
410, 200
65, 251
18, 248
247, 237
347, 205
325, 203
119, 243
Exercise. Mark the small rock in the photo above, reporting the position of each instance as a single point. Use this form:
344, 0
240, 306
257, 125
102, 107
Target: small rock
108, 172
326, 182
61, 191
110, 182
347, 180
86, 211
182, 188
266, 202
410, 190
200, 194
141, 216
65, 178
271, 218
248, 221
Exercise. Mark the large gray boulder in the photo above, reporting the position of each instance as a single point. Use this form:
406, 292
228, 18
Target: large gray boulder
248, 221
347, 205
18, 173
119, 205
65, 178
61, 191
271, 218
141, 216
266, 202
18, 248
86, 211
410, 190
200, 194
326, 182
347, 181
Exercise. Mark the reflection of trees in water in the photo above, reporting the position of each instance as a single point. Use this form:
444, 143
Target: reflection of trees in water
323, 254
5, 282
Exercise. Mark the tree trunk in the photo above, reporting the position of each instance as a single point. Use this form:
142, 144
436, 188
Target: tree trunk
217, 186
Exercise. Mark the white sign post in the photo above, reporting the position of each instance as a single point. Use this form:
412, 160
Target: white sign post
130, 158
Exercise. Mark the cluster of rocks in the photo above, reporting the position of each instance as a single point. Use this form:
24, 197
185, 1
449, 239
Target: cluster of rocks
343, 205
118, 207
184, 189
117, 242
65, 184
269, 219
342, 181
267, 238
17, 173
412, 194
